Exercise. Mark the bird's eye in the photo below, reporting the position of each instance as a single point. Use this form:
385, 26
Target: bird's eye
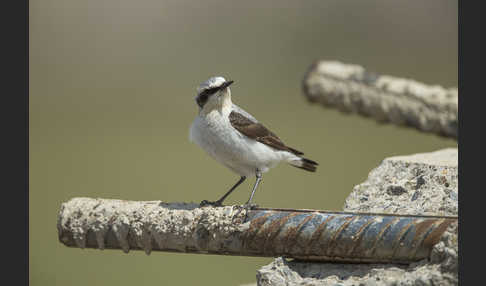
210, 91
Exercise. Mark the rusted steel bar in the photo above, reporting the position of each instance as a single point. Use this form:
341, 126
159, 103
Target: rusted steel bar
302, 234
351, 88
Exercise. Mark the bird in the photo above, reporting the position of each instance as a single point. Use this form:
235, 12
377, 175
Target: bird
236, 139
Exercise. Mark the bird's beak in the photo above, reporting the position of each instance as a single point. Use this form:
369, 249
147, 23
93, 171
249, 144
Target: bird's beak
226, 84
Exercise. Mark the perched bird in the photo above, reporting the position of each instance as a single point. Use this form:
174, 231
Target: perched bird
236, 139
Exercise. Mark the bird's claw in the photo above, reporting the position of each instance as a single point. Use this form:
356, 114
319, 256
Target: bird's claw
247, 207
208, 203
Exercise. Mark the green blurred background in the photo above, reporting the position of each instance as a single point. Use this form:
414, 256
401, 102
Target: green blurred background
112, 87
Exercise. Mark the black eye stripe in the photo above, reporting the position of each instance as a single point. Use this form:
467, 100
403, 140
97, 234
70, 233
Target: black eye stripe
210, 91
201, 99
203, 96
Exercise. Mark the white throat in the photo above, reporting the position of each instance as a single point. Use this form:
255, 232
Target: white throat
220, 102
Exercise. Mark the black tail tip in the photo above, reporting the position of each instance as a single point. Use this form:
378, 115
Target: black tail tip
307, 165
308, 161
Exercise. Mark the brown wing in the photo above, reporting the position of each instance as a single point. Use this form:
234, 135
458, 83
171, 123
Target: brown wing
258, 132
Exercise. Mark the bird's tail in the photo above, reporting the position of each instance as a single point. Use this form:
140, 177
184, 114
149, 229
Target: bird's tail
304, 163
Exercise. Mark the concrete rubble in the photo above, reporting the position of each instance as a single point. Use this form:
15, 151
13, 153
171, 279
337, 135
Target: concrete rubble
419, 184
148, 226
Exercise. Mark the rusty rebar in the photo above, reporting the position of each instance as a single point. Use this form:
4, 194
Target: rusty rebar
301, 234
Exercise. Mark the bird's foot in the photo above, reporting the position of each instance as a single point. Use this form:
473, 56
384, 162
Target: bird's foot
208, 203
247, 207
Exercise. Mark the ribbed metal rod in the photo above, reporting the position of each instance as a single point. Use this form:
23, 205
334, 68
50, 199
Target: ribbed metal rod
302, 234
351, 88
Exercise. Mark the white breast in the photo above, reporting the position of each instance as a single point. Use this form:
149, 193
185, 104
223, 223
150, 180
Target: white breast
213, 133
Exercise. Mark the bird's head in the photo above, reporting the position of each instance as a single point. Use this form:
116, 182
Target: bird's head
213, 93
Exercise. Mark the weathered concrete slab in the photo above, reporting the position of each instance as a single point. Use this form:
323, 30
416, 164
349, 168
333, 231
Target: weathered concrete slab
423, 184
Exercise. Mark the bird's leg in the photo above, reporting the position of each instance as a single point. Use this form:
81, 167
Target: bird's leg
220, 201
248, 204
258, 175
